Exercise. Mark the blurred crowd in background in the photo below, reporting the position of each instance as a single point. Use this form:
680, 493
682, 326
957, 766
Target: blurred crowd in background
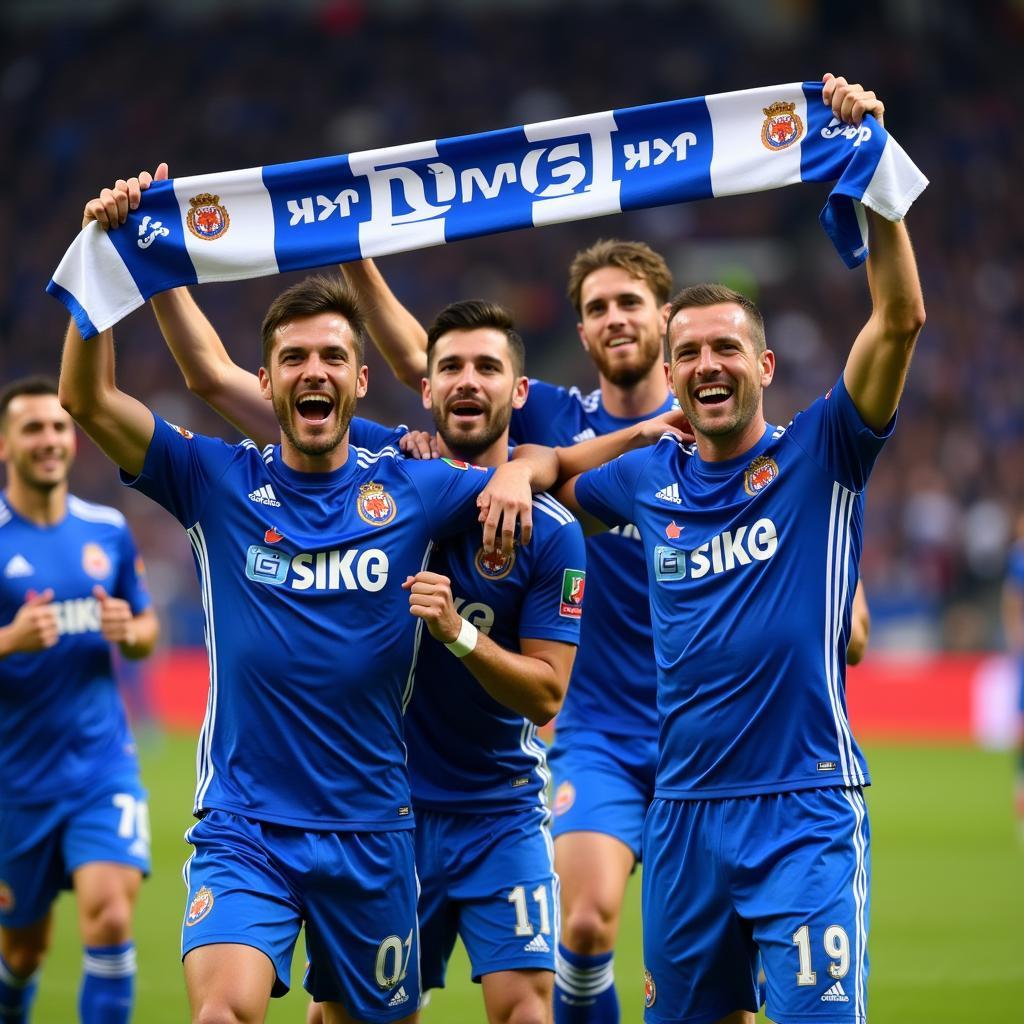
94, 91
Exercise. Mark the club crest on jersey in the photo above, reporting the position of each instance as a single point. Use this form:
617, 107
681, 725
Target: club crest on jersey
565, 797
374, 505
95, 561
6, 898
201, 905
760, 473
493, 565
207, 217
574, 582
782, 125
650, 990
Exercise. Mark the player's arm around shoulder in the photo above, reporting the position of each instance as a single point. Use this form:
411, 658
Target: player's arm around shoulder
880, 357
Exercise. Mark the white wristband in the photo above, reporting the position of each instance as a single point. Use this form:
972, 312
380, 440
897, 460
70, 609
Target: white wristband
464, 643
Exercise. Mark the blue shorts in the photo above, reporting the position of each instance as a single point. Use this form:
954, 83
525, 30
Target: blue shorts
42, 845
255, 883
490, 879
602, 783
784, 875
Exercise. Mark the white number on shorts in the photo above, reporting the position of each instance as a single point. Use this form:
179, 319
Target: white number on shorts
837, 948
398, 952
517, 897
134, 817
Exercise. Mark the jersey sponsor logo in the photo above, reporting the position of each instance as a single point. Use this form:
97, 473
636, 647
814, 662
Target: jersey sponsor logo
272, 536
650, 989
565, 797
669, 493
6, 898
723, 553
265, 496
349, 569
18, 566
476, 613
574, 582
493, 565
782, 125
374, 505
184, 431
77, 615
672, 531
538, 944
95, 561
760, 473
207, 217
835, 994
200, 905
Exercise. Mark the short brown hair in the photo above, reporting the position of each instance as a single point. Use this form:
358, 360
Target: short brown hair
310, 297
471, 314
637, 259
24, 386
716, 295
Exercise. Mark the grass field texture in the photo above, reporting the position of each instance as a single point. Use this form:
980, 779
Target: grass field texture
947, 901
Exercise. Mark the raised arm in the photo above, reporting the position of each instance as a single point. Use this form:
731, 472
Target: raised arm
121, 425
398, 335
204, 362
876, 368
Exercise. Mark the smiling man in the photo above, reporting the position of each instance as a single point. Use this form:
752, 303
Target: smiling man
72, 807
301, 550
757, 840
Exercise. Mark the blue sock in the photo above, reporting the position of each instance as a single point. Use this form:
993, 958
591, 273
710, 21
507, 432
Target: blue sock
108, 984
585, 988
16, 995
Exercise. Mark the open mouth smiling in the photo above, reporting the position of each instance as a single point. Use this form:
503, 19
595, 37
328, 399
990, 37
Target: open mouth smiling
315, 406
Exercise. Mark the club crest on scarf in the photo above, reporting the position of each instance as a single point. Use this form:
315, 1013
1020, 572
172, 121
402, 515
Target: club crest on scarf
782, 125
207, 217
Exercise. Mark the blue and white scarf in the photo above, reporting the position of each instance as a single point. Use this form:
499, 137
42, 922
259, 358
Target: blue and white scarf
264, 220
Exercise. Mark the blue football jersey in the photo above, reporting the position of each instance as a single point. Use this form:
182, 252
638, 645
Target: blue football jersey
752, 574
1015, 566
614, 678
310, 640
467, 752
62, 723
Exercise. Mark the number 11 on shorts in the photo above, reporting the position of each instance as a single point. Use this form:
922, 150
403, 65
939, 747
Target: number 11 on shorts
517, 897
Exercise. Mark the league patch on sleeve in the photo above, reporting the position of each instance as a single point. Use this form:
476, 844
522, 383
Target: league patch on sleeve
459, 464
574, 582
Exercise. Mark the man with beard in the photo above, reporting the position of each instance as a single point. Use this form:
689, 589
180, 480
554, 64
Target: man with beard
757, 841
72, 807
605, 750
301, 548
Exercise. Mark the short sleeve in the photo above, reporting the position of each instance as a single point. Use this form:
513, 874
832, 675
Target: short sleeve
180, 469
447, 489
833, 434
553, 605
373, 436
534, 423
607, 492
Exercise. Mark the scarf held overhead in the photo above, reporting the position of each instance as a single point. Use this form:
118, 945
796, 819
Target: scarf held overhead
265, 220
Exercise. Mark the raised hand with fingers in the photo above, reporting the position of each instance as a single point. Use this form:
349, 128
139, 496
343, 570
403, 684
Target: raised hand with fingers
851, 102
110, 208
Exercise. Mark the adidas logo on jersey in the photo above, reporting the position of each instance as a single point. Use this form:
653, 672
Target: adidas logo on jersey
835, 995
669, 493
18, 566
265, 496
584, 435
538, 944
401, 996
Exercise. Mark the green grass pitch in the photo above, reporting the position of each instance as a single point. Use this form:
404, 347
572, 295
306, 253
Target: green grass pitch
947, 901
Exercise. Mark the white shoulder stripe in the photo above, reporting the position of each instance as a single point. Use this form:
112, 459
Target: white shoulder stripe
366, 458
94, 513
543, 502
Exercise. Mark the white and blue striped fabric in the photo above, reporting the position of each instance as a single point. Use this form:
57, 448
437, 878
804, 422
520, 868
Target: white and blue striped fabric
264, 220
